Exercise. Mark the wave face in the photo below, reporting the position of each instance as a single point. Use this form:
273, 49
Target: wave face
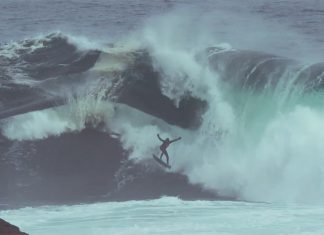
79, 121
79, 101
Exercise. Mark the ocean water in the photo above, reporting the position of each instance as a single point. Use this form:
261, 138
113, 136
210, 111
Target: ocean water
85, 86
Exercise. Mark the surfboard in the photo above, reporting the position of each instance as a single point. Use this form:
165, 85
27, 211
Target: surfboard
161, 162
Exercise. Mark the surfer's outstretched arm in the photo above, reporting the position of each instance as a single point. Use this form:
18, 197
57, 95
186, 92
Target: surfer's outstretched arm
160, 138
175, 140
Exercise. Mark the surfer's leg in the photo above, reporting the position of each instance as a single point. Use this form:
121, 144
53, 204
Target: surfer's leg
167, 156
162, 152
161, 155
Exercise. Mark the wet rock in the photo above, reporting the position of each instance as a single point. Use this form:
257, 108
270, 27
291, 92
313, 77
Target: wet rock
9, 229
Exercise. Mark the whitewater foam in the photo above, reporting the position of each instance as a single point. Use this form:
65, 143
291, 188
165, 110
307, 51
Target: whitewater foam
36, 125
74, 116
242, 161
169, 216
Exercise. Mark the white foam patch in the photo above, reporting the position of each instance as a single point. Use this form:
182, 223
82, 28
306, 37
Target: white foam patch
37, 125
56, 121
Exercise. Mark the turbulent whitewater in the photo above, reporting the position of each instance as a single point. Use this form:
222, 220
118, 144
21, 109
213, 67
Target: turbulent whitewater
79, 114
170, 216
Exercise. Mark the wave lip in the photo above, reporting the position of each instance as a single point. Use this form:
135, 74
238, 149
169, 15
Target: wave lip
30, 68
47, 57
57, 67
259, 70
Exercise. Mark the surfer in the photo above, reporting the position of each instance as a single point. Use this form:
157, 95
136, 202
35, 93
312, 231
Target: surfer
165, 144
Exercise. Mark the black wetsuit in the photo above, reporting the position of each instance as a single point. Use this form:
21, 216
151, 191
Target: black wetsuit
164, 146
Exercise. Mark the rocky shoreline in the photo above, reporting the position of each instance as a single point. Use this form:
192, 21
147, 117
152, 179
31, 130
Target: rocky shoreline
9, 229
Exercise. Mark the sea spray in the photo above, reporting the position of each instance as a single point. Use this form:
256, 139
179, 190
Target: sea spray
233, 151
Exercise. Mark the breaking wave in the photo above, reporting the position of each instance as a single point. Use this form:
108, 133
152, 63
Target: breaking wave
251, 122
